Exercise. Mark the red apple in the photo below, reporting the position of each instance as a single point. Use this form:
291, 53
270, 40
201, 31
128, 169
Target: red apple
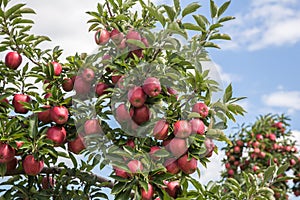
293, 162
152, 152
227, 165
120, 172
122, 44
171, 165
230, 172
237, 149
240, 143
133, 35
7, 153
147, 194
44, 116
210, 146
198, 126
178, 147
182, 129
67, 84
166, 143
173, 188
100, 89
92, 126
141, 115
88, 75
151, 87
57, 68
116, 78
262, 154
17, 103
278, 125
256, 150
123, 114
48, 182
255, 144
130, 143
259, 137
59, 114
81, 87
186, 165
12, 165
102, 37
116, 36
76, 145
57, 134
135, 166
145, 41
47, 95
136, 96
138, 53
160, 130
255, 168
32, 166
201, 108
172, 91
13, 60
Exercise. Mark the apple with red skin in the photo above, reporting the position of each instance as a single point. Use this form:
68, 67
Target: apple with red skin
201, 108
210, 146
278, 125
122, 113
198, 126
67, 85
152, 152
48, 182
172, 91
133, 35
182, 129
5, 101
57, 68
76, 145
160, 130
100, 88
166, 143
240, 143
130, 143
116, 78
255, 168
256, 150
262, 154
92, 126
147, 194
135, 166
187, 165
141, 115
120, 172
122, 45
173, 188
13, 60
116, 36
259, 137
81, 86
88, 75
57, 134
151, 87
171, 165
11, 165
178, 147
7, 153
136, 96
59, 114
227, 165
44, 116
145, 41
138, 53
48, 95
293, 162
32, 166
237, 149
255, 144
17, 103
230, 172
102, 37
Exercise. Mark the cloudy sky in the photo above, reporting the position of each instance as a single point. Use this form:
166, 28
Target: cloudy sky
261, 60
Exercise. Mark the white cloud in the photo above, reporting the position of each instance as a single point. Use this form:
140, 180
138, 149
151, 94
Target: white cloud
283, 99
265, 24
296, 134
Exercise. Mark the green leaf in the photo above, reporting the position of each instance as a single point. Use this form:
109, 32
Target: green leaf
27, 10
33, 127
283, 169
2, 169
228, 94
13, 9
269, 173
158, 15
175, 29
223, 8
213, 9
170, 11
201, 21
177, 5
193, 27
192, 7
210, 44
220, 36
224, 19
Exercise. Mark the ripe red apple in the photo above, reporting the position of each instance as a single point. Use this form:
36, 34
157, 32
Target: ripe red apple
166, 143
230, 172
116, 36
293, 162
13, 60
256, 150
88, 75
198, 126
81, 87
138, 53
227, 165
17, 103
44, 116
7, 153
259, 137
57, 134
133, 35
240, 143
160, 130
186, 165
76, 145
116, 78
210, 146
255, 144
135, 166
122, 113
102, 37
182, 129
32, 166
278, 125
141, 115
172, 91
147, 194
255, 168
201, 108
145, 41
151, 87
122, 44
130, 143
120, 172
237, 149
152, 152
100, 89
136, 96
11, 165
67, 84
92, 126
262, 154
57, 68
173, 188
59, 114
48, 182
4, 101
178, 147
47, 95
171, 165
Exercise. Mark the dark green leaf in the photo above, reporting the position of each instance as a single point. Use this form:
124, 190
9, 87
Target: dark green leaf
213, 9
223, 8
13, 9
192, 7
219, 36
170, 11
193, 27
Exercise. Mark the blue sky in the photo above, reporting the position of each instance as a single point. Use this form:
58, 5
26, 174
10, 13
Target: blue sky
262, 60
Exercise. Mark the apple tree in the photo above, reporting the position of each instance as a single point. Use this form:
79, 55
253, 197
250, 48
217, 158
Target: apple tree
142, 104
